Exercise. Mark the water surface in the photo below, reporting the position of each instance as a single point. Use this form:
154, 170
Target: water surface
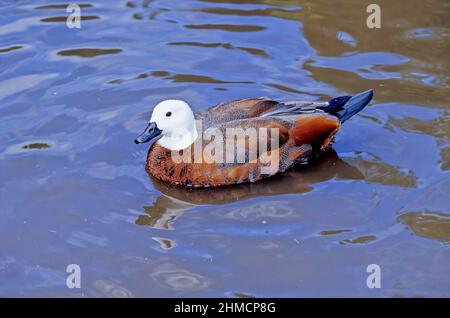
73, 188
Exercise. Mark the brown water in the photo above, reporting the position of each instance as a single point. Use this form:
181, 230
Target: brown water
73, 188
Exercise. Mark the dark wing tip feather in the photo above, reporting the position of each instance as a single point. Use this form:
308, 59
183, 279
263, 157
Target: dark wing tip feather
336, 104
345, 107
354, 105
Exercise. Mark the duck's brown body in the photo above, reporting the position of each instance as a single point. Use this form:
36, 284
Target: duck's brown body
305, 129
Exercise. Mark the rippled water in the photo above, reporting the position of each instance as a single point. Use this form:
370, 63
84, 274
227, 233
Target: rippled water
73, 188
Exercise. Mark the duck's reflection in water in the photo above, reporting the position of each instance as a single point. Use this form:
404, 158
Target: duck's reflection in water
431, 225
174, 201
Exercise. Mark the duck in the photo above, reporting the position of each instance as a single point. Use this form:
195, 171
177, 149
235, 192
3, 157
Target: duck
243, 140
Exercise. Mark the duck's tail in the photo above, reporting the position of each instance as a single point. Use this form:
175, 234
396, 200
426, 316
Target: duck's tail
345, 107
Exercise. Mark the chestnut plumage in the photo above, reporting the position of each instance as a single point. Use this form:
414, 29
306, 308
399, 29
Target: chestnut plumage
304, 130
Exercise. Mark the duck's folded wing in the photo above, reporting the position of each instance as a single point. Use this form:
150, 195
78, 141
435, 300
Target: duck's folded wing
316, 129
294, 108
265, 107
237, 109
271, 131
249, 149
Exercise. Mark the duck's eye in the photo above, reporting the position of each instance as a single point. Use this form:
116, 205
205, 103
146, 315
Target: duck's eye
168, 114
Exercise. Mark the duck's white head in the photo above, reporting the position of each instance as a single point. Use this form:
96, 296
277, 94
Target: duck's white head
172, 124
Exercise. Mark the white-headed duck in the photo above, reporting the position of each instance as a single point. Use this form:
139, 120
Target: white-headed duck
293, 131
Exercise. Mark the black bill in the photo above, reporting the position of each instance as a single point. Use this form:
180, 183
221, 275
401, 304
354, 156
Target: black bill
151, 133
